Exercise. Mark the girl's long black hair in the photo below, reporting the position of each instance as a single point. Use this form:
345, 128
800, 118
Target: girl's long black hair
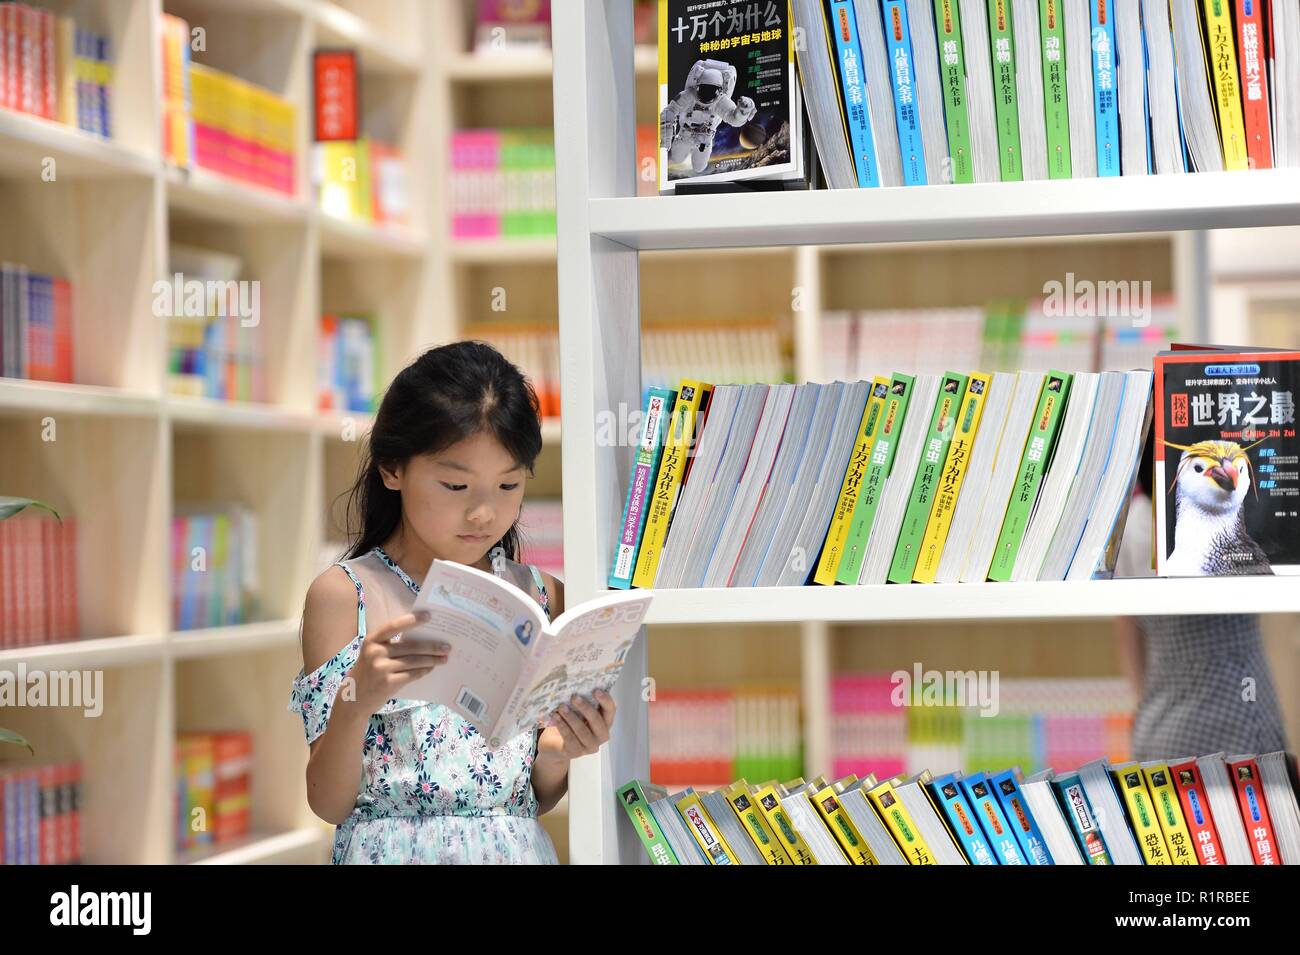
446, 395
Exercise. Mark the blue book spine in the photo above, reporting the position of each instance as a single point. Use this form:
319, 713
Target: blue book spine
189, 578
1078, 810
641, 483
898, 46
1146, 94
1103, 88
857, 112
961, 820
979, 791
103, 93
1021, 820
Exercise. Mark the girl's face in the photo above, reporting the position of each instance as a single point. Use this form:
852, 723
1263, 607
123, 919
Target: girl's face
461, 500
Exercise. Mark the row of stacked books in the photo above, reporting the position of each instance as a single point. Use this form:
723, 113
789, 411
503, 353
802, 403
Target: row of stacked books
910, 92
357, 177
999, 336
1211, 810
38, 580
214, 566
929, 479
541, 527
40, 814
214, 332
876, 728
219, 122
713, 735
348, 363
502, 183
213, 773
53, 68
35, 325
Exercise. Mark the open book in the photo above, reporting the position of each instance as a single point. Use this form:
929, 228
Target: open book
508, 667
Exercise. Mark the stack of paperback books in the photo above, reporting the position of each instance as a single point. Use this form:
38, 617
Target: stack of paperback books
40, 814
1211, 810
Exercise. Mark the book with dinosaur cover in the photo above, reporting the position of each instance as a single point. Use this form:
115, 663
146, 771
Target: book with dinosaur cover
1227, 461
508, 666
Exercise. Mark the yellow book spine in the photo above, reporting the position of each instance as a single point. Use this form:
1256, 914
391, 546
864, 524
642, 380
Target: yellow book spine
706, 833
900, 825
1146, 827
1221, 54
842, 827
668, 482
1178, 839
950, 479
756, 826
770, 804
857, 468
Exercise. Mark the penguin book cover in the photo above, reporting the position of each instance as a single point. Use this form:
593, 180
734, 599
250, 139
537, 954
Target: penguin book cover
728, 92
1227, 461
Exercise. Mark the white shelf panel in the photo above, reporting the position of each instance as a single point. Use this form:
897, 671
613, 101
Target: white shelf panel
212, 412
241, 638
25, 142
60, 397
297, 846
330, 423
210, 196
1218, 200
514, 67
501, 251
989, 601
336, 27
359, 240
87, 654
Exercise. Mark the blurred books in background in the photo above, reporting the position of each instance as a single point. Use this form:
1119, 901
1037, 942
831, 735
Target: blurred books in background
38, 579
214, 566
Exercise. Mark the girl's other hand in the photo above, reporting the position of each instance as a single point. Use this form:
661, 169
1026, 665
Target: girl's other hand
386, 664
583, 727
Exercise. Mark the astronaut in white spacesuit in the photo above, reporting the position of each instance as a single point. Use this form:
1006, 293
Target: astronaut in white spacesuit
689, 121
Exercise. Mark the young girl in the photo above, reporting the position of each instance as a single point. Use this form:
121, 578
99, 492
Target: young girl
406, 781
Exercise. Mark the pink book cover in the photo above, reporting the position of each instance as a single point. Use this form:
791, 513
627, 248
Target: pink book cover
7, 623
53, 576
35, 583
18, 576
49, 69
13, 61
71, 619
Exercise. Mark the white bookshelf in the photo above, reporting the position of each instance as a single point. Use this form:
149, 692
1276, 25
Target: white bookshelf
603, 228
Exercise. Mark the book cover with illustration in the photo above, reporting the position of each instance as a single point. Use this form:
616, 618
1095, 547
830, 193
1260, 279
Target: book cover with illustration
508, 666
728, 93
1227, 461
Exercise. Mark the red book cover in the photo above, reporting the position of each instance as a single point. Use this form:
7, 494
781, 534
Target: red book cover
19, 572
13, 57
6, 600
1252, 62
335, 112
1196, 813
49, 70
72, 623
39, 580
4, 96
28, 75
62, 289
1254, 811
51, 581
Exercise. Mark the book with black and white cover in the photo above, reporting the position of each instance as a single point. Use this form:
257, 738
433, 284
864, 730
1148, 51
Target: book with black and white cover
1029, 88
823, 493
790, 458
753, 485
984, 540
1087, 478
1195, 104
970, 503
898, 484
1099, 546
1079, 89
510, 667
1109, 813
1222, 797
1060, 477
1131, 77
979, 90
871, 35
1168, 150
1046, 808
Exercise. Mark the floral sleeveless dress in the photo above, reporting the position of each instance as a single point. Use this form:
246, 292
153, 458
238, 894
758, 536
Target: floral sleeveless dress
431, 789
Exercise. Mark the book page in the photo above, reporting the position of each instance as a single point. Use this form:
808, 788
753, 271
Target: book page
491, 626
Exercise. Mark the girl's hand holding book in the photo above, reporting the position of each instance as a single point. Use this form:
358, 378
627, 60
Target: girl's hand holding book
386, 663
578, 728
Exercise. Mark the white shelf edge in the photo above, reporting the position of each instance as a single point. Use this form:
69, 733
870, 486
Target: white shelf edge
344, 237
377, 53
263, 849
218, 413
506, 67
1057, 207
209, 195
24, 137
18, 394
501, 251
90, 654
210, 642
1048, 600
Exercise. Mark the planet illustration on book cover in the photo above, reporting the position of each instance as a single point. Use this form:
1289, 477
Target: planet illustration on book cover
753, 135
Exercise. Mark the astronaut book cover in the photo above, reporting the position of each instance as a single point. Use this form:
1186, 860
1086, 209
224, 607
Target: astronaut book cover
1227, 462
728, 93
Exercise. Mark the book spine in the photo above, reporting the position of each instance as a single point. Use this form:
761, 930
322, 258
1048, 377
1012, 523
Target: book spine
961, 821
943, 425
1033, 464
658, 414
1077, 809
756, 825
707, 835
633, 799
1254, 811
791, 841
1002, 50
1141, 813
898, 44
951, 478
1196, 813
1105, 103
1221, 61
1055, 95
882, 462
1164, 799
901, 826
1254, 83
859, 459
992, 820
842, 828
857, 114
952, 68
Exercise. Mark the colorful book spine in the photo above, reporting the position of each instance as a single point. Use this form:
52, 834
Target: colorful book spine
950, 480
756, 825
1055, 96
1002, 50
947, 793
1033, 465
1078, 811
898, 47
641, 482
1196, 813
1254, 811
842, 828
884, 448
1221, 59
1164, 797
843, 25
1141, 813
40, 812
992, 820
769, 803
859, 460
1105, 100
1020, 819
943, 425
1249, 15
900, 824
952, 68
635, 799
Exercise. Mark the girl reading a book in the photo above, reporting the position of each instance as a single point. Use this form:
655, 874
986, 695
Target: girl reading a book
406, 781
